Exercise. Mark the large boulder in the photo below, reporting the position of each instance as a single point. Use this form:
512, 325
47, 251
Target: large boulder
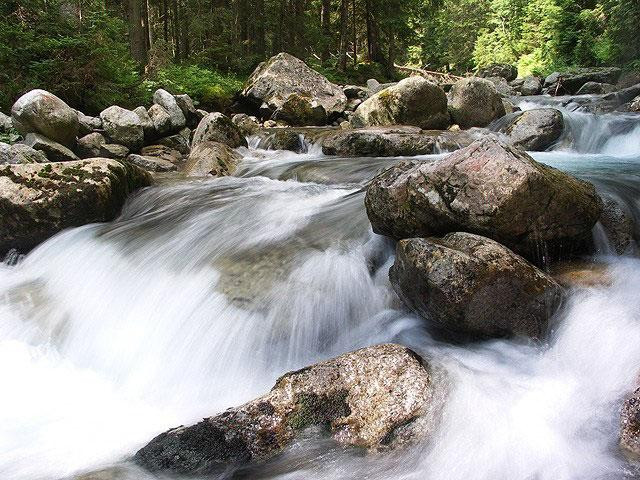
217, 127
20, 153
168, 102
618, 225
42, 112
248, 125
89, 145
161, 120
6, 124
571, 82
152, 164
375, 398
275, 80
474, 102
301, 111
531, 85
413, 101
502, 70
211, 158
39, 200
147, 124
535, 130
54, 151
87, 124
123, 126
630, 426
185, 103
472, 287
491, 189
392, 142
596, 88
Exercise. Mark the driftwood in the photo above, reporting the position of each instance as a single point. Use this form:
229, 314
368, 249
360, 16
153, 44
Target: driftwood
436, 76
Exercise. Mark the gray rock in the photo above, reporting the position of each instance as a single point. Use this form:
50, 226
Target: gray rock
531, 85
89, 145
376, 398
472, 287
20, 153
217, 127
275, 80
189, 111
248, 125
354, 91
151, 164
535, 130
39, 200
596, 88
570, 82
42, 112
163, 152
379, 142
630, 426
474, 102
283, 139
413, 101
113, 151
6, 125
87, 124
502, 86
179, 141
123, 127
490, 189
300, 110
211, 158
373, 86
509, 106
147, 124
168, 102
503, 70
161, 120
618, 225
54, 151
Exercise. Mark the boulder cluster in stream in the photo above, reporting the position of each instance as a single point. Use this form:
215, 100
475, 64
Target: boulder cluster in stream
473, 230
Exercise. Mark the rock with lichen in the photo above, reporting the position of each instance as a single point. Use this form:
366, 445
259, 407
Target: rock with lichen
375, 398
39, 200
630, 426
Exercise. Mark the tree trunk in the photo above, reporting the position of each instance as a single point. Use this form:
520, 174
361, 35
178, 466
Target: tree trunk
343, 34
137, 34
355, 37
176, 29
326, 29
260, 40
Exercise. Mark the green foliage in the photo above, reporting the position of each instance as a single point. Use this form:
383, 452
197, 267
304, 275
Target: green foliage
209, 88
10, 137
354, 74
84, 60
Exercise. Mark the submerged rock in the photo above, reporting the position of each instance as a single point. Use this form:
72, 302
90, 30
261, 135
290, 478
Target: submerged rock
39, 200
284, 139
473, 287
491, 189
535, 130
39, 111
413, 101
618, 226
377, 397
392, 142
217, 127
275, 80
475, 102
211, 158
630, 426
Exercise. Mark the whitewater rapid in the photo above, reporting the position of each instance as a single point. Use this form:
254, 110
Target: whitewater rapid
203, 292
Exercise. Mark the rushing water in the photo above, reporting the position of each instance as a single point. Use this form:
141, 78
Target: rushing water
203, 292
